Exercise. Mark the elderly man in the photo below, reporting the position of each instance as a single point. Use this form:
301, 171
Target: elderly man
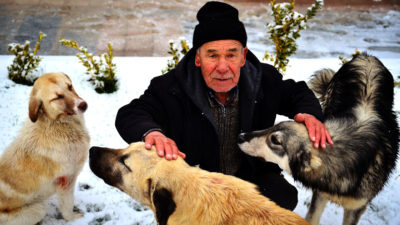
218, 90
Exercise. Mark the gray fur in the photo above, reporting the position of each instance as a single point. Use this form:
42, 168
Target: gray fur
357, 103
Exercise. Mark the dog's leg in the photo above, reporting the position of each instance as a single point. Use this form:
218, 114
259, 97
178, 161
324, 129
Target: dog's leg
65, 192
28, 215
351, 217
317, 206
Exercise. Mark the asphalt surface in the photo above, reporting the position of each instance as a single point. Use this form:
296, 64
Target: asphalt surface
144, 27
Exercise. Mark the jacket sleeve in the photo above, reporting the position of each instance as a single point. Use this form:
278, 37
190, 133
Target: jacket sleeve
296, 97
140, 115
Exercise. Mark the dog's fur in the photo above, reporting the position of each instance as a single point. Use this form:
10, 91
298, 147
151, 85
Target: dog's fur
47, 155
357, 104
179, 194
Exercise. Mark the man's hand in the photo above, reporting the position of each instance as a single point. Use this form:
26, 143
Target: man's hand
316, 130
164, 146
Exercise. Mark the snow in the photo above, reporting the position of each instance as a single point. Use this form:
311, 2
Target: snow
103, 204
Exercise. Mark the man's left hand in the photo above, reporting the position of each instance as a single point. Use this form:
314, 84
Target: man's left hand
316, 130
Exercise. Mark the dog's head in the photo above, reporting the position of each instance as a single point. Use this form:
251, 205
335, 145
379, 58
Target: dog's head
53, 96
285, 144
140, 173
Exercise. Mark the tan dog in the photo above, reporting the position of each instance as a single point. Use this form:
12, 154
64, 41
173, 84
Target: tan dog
47, 155
179, 194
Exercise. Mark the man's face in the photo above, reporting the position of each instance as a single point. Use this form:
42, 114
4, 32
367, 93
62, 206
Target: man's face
220, 62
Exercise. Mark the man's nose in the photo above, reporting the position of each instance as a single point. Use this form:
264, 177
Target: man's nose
222, 66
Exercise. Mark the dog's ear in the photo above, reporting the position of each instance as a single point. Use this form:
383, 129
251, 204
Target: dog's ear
308, 160
34, 106
67, 76
164, 204
315, 161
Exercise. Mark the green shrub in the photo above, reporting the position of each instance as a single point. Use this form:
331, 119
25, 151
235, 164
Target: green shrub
176, 54
102, 73
25, 63
286, 29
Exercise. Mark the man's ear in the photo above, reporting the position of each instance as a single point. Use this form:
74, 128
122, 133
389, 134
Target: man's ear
197, 59
245, 50
34, 106
164, 205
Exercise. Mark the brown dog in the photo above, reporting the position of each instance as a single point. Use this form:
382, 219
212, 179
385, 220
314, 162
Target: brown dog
179, 194
47, 155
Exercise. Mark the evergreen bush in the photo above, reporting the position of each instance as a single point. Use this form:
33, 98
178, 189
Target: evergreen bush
285, 29
102, 73
25, 63
176, 54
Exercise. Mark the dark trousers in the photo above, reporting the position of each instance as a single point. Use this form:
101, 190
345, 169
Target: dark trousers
278, 189
271, 183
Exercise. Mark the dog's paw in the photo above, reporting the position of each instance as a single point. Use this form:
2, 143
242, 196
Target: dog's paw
75, 214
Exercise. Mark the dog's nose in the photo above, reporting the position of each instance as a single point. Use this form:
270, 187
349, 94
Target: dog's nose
82, 106
93, 152
241, 138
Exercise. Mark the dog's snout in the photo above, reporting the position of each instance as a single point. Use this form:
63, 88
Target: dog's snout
102, 165
82, 106
242, 138
95, 155
93, 151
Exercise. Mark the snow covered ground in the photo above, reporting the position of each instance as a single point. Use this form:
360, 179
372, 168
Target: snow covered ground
103, 204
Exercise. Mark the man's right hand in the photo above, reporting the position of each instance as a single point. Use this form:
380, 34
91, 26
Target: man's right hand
164, 146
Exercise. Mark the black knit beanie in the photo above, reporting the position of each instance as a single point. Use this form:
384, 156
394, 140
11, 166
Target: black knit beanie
218, 21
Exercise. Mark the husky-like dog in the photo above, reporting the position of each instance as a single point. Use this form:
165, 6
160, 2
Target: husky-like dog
357, 104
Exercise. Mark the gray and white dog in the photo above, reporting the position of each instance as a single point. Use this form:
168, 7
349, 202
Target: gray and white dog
358, 108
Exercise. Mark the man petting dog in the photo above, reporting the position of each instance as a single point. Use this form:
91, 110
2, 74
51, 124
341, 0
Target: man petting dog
218, 90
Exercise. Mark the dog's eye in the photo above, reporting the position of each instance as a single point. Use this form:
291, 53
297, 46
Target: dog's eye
59, 96
275, 140
122, 161
70, 87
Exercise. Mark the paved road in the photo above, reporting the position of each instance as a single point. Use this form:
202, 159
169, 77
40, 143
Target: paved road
144, 27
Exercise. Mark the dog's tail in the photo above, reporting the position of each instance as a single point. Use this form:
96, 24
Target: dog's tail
319, 83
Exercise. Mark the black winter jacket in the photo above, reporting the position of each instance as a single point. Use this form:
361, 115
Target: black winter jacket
177, 104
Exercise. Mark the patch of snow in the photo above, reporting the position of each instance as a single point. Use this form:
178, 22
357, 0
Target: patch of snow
103, 204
